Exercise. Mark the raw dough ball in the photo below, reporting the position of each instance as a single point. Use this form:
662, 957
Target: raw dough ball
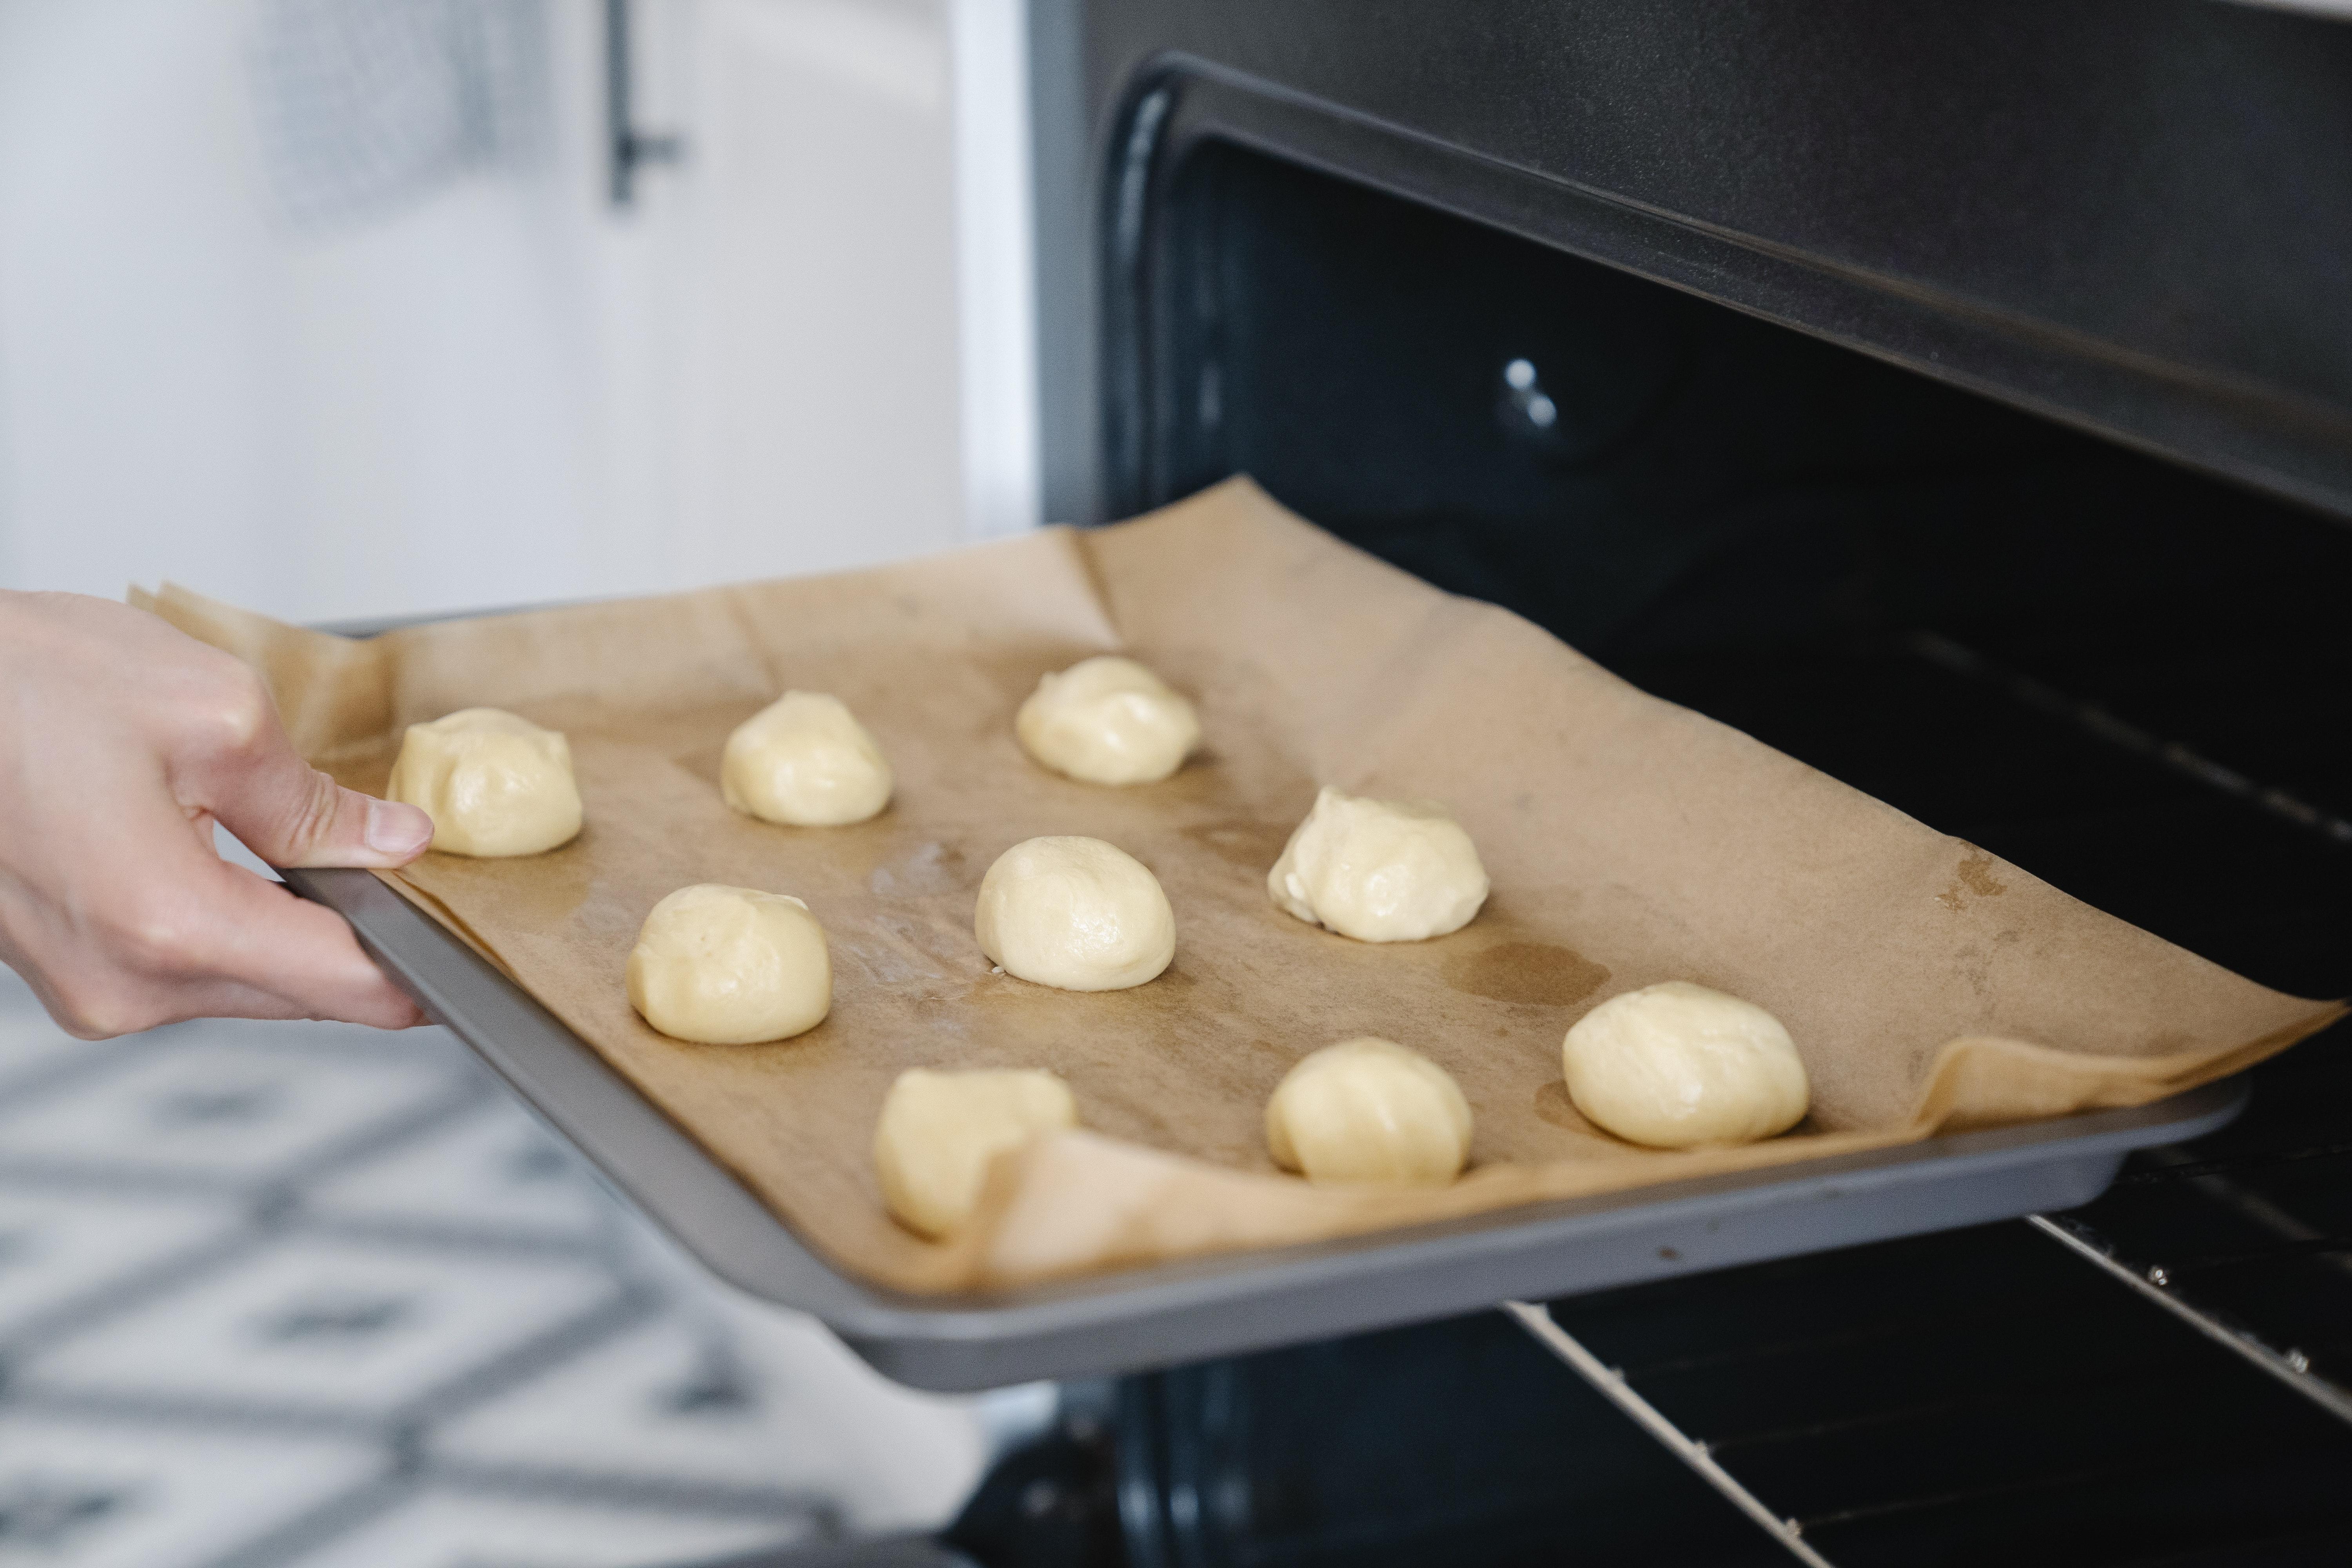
729, 966
938, 1131
1676, 1066
805, 761
1078, 914
493, 784
1108, 720
1369, 1111
1379, 870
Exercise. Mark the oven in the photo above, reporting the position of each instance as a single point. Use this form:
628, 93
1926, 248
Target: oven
1958, 398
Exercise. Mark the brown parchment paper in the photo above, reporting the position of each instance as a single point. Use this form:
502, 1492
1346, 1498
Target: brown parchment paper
1928, 984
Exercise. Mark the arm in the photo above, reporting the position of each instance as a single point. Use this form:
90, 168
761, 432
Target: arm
121, 741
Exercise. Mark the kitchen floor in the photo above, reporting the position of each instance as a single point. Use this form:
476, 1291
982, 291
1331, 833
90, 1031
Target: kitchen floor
301, 1294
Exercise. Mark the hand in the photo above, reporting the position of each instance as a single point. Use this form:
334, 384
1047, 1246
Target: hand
121, 741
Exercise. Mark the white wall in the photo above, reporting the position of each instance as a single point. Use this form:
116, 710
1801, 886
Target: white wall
819, 386
501, 390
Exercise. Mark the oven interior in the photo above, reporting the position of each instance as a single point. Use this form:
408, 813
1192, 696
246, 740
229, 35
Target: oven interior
2126, 677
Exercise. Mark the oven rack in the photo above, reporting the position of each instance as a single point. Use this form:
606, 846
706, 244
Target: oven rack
1976, 1389
2046, 1379
2210, 1231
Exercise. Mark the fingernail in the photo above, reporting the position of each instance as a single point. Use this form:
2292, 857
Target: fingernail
397, 830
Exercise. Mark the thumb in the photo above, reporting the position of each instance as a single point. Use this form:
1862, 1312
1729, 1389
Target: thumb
290, 813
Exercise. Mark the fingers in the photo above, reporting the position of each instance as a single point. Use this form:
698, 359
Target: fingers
291, 951
196, 937
290, 813
208, 998
300, 816
123, 737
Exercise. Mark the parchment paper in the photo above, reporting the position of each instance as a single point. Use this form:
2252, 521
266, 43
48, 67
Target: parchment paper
1927, 984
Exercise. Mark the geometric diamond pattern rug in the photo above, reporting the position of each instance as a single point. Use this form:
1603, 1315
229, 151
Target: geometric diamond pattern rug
309, 1296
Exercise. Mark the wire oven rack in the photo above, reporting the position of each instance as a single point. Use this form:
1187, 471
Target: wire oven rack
2165, 1373
2248, 1234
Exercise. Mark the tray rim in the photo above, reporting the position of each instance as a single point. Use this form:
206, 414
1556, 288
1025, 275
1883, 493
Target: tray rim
687, 1192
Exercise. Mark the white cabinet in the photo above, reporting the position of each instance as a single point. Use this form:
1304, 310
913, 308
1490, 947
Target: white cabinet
322, 307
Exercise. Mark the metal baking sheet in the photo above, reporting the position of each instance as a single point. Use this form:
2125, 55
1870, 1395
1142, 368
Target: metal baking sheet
1248, 1300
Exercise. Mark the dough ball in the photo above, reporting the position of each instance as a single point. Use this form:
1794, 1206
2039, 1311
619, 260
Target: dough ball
1379, 870
1108, 720
938, 1131
1369, 1111
1676, 1066
729, 966
1078, 914
804, 760
493, 784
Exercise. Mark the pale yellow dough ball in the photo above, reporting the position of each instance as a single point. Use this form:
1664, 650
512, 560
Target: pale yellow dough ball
1370, 1110
1676, 1066
1077, 913
805, 761
495, 784
1379, 870
938, 1131
1108, 720
730, 966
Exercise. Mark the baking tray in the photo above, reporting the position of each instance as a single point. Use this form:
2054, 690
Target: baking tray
1245, 1301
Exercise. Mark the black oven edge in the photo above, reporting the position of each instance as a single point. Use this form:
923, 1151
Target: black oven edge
2294, 447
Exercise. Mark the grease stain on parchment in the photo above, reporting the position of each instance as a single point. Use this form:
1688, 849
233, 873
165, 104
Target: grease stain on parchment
1972, 876
1255, 846
1553, 1105
1527, 971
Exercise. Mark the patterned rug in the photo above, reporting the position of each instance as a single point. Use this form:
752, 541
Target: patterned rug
300, 1294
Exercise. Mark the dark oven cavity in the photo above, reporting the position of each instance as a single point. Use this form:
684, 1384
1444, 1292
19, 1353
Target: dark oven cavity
2129, 677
